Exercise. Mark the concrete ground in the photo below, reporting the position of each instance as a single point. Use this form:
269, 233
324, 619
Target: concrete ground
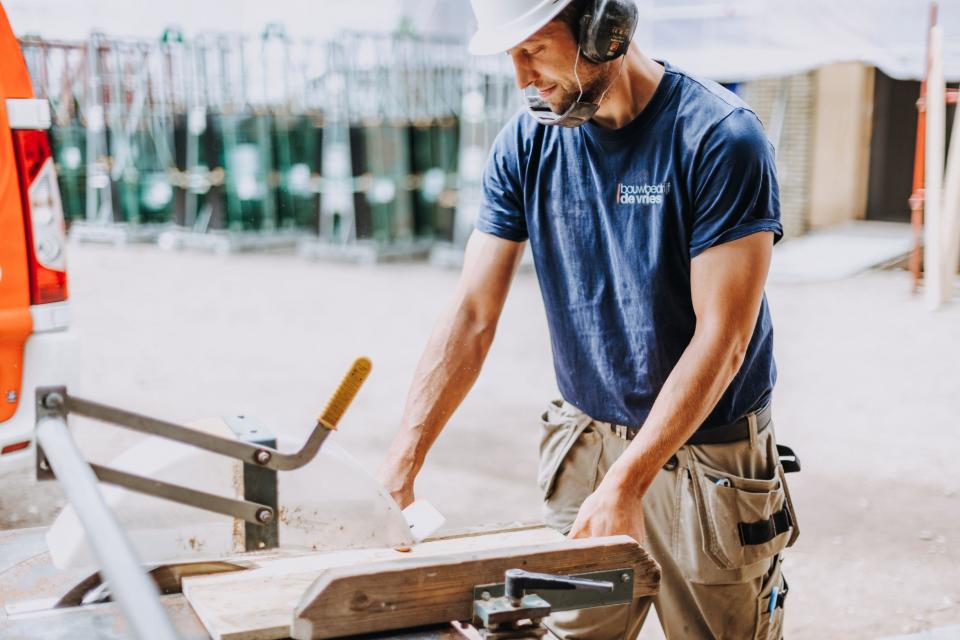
869, 396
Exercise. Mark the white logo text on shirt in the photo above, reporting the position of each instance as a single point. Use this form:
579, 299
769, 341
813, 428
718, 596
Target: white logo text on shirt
642, 193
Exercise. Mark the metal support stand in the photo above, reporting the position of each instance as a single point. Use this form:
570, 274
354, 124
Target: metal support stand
58, 457
133, 590
259, 484
224, 241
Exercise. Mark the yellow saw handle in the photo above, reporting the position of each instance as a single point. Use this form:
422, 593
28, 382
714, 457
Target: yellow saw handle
345, 393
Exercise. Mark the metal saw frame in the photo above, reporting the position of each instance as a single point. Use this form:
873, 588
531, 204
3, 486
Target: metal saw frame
55, 404
58, 458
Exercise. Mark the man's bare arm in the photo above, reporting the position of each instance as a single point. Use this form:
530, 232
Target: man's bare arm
726, 284
452, 359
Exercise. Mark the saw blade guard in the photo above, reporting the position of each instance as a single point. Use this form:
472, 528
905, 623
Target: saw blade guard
330, 503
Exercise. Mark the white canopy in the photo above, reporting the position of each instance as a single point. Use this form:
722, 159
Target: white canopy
745, 39
735, 40
75, 19
730, 40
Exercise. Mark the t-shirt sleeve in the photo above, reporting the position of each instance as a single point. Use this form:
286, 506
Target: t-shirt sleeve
501, 207
735, 184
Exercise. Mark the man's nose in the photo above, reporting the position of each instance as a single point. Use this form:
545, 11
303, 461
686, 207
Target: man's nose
521, 65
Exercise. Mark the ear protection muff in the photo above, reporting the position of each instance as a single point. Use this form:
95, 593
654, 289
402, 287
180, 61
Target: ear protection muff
606, 29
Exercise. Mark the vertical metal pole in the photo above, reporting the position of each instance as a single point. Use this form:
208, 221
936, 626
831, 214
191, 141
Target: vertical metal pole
99, 209
135, 593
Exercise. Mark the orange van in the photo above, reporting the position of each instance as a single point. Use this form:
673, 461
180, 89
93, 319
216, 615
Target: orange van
36, 346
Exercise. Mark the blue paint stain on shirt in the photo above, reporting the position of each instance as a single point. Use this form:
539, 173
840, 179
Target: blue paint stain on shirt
614, 218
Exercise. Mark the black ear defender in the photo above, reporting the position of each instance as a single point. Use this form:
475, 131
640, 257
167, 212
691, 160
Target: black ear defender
606, 29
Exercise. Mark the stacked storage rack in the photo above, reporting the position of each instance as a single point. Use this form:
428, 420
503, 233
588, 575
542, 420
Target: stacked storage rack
57, 69
490, 98
369, 146
247, 123
391, 145
116, 91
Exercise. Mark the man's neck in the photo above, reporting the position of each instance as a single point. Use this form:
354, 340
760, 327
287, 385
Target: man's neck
631, 91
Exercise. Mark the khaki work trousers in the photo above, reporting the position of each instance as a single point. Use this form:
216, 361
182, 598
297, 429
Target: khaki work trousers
712, 585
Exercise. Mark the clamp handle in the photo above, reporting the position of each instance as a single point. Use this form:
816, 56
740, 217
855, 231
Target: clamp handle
345, 393
518, 580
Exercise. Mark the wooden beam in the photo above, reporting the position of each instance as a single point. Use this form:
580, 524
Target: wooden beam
407, 593
258, 604
951, 215
933, 194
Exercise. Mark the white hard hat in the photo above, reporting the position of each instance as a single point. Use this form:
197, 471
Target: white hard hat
503, 24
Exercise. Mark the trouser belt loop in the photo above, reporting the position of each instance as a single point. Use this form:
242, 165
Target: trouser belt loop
752, 424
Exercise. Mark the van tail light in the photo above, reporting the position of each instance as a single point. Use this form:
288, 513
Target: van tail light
13, 448
42, 216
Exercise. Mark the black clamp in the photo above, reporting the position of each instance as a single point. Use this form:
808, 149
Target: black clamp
506, 610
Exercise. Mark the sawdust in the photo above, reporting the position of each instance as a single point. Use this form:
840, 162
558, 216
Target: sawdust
192, 543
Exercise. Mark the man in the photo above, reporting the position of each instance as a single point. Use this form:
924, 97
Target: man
651, 226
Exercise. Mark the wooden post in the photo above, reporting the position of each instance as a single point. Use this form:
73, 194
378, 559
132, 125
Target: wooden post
919, 155
933, 193
951, 214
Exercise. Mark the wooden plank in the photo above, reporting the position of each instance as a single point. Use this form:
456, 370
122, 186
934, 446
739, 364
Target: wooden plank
258, 604
407, 593
951, 214
104, 621
933, 167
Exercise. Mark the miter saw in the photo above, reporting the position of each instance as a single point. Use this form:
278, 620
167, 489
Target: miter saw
254, 496
254, 503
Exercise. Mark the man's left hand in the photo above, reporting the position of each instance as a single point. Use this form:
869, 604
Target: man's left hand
610, 511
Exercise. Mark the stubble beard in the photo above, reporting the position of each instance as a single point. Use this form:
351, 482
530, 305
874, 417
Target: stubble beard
593, 79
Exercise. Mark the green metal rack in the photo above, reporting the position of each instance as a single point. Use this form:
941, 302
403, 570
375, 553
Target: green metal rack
297, 159
366, 146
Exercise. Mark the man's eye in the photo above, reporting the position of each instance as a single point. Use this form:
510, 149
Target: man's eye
537, 50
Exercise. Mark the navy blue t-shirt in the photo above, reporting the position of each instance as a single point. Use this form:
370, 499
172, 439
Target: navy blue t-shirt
614, 218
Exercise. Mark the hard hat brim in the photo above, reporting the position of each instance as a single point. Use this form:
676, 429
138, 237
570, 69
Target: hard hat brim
489, 41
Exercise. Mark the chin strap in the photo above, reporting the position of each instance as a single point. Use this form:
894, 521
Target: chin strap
577, 113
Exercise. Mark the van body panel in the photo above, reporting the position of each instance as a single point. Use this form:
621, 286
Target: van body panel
15, 320
51, 359
36, 346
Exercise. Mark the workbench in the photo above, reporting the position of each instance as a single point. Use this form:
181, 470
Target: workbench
31, 587
268, 583
105, 621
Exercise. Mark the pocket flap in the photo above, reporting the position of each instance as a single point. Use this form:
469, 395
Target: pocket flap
562, 425
737, 514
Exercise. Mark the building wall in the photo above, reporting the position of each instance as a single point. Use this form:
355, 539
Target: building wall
786, 106
841, 144
821, 124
